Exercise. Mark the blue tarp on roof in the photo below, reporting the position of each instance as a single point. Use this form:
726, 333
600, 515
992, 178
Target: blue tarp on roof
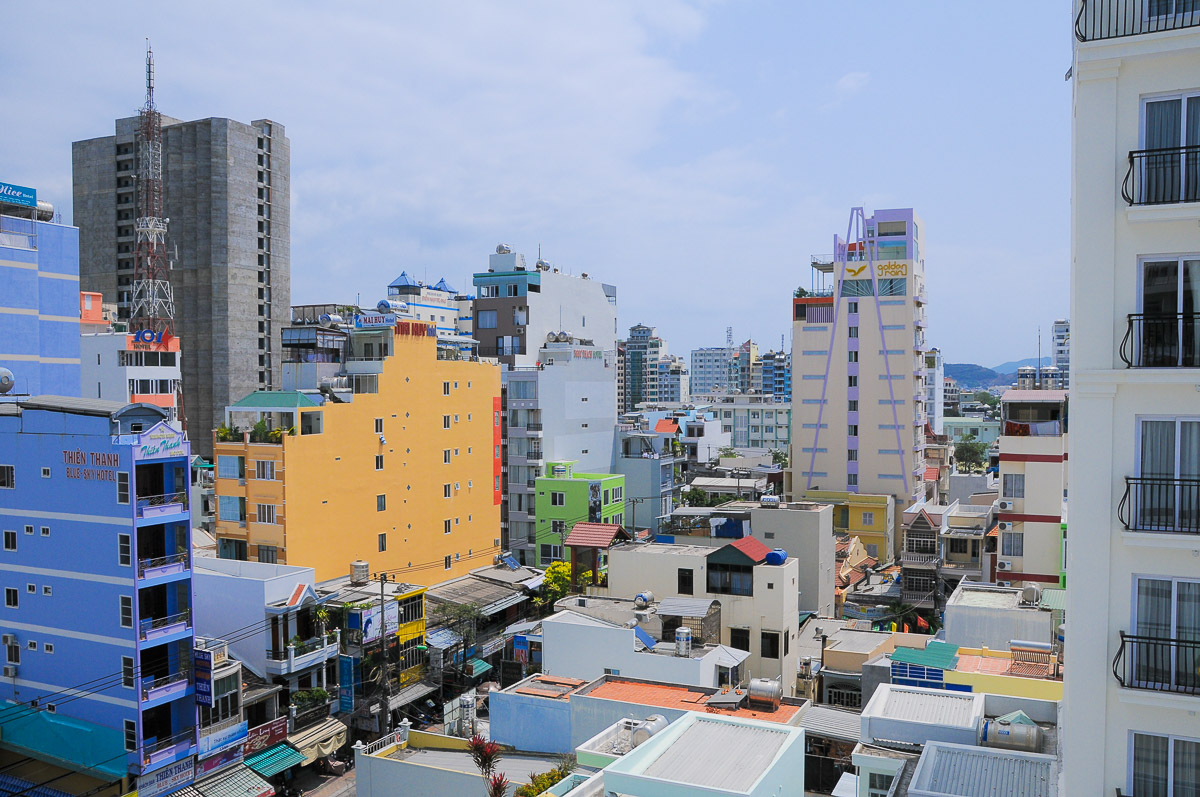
644, 637
57, 738
403, 281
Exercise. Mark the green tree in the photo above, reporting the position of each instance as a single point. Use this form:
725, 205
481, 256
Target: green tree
970, 453
557, 582
779, 457
725, 452
984, 397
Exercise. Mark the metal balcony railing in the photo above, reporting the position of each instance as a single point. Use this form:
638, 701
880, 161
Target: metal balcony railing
150, 746
307, 646
145, 502
151, 624
1158, 664
1161, 505
1162, 341
161, 561
1162, 176
149, 684
1115, 19
535, 426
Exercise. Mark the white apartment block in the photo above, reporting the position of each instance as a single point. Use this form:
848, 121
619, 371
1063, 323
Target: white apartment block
1062, 350
858, 364
754, 422
934, 383
710, 369
638, 360
119, 366
1133, 693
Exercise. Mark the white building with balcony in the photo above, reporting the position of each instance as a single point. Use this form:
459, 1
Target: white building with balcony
1133, 695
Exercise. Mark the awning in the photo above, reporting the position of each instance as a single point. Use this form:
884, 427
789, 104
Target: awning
477, 667
442, 638
274, 759
410, 694
319, 740
237, 781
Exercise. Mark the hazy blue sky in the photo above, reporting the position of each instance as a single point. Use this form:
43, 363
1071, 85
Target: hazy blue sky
693, 154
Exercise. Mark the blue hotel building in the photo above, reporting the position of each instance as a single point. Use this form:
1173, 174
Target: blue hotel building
39, 313
96, 573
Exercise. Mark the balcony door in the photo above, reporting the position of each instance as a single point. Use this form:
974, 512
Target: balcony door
1166, 655
1171, 166
1167, 497
1170, 303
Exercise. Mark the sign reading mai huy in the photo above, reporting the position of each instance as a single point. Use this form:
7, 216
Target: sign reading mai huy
161, 441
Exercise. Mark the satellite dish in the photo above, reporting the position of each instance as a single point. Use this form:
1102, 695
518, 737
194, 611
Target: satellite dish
7, 380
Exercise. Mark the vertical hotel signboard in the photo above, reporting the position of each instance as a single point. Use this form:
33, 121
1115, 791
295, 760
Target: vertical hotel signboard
202, 669
346, 684
18, 195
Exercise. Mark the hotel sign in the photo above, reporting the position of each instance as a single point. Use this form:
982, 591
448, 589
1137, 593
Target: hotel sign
223, 739
161, 441
374, 320
18, 195
91, 466
892, 269
167, 779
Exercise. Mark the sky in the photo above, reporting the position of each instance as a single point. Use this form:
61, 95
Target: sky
692, 154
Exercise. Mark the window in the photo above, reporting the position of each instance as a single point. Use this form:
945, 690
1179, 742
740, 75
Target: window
868, 518
122, 487
558, 499
739, 639
230, 467
550, 552
383, 542
380, 503
10, 540
726, 579
379, 426
8, 477
852, 332
1012, 543
266, 513
130, 735
1165, 765
851, 307
268, 554
31, 588
852, 455
769, 645
1014, 485
446, 526
851, 479
11, 598
893, 286
446, 563
511, 289
45, 531
311, 422
446, 457
618, 493
445, 421
231, 508
48, 647
445, 491
1167, 609
47, 590
456, 418
852, 381
959, 546
126, 611
852, 405
852, 430
264, 469
684, 581
127, 672
486, 319
558, 527
445, 388
1170, 126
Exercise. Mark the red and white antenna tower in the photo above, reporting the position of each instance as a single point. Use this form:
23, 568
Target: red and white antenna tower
153, 303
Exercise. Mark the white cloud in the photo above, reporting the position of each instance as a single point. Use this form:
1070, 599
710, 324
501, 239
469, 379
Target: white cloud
851, 83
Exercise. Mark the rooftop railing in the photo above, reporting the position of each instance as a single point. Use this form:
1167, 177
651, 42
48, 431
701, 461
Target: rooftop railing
1161, 505
1162, 341
1158, 664
1114, 19
1162, 176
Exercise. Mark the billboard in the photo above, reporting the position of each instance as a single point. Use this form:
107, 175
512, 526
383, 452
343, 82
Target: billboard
18, 195
266, 735
369, 619
167, 779
223, 739
346, 684
374, 320
202, 673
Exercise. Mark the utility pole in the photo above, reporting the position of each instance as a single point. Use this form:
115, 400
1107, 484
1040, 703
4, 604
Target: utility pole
383, 640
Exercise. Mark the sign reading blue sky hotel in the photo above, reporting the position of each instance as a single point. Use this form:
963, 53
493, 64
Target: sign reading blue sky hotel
18, 195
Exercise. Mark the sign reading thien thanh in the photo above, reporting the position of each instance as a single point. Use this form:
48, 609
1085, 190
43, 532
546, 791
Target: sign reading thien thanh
161, 441
18, 195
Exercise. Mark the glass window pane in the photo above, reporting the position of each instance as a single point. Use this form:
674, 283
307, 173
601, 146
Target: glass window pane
1149, 765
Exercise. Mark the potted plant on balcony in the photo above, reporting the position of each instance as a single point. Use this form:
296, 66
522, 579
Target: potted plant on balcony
307, 698
228, 434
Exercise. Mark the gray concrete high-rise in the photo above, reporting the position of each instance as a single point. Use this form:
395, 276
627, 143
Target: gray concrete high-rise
227, 196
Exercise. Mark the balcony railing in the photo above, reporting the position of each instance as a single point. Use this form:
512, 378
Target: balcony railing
1115, 19
151, 684
145, 565
151, 746
1162, 505
148, 626
1163, 176
919, 558
1033, 428
534, 427
1162, 341
308, 646
148, 505
1158, 664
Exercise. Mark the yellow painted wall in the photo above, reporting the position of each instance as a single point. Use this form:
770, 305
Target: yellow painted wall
1039, 688
327, 486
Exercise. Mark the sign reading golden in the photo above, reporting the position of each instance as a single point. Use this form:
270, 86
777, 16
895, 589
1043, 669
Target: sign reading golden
892, 269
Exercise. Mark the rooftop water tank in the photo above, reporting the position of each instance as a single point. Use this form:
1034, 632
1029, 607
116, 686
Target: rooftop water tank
359, 572
683, 642
643, 730
777, 556
1011, 736
766, 692
391, 306
643, 599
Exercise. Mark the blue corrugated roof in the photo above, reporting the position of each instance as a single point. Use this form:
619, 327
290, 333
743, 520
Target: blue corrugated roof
57, 738
275, 759
403, 281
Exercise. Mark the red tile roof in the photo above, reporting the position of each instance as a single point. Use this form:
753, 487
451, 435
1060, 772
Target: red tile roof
681, 697
753, 548
595, 535
666, 426
931, 474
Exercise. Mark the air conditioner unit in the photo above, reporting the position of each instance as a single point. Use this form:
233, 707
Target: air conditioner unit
10, 671
9, 639
1004, 564
1004, 525
1006, 506
1003, 583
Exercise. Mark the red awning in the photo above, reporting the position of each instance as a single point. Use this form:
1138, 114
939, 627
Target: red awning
595, 535
931, 474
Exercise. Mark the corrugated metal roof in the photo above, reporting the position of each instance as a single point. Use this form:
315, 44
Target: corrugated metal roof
684, 607
270, 399
941, 655
1053, 598
956, 769
933, 706
442, 638
78, 406
274, 759
832, 723
702, 754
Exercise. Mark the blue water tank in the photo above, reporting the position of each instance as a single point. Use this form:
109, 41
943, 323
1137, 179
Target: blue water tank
777, 557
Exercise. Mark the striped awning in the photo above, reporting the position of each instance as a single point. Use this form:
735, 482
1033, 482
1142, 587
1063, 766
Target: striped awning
275, 759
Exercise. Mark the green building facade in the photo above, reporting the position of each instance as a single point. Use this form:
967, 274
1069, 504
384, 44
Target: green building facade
565, 498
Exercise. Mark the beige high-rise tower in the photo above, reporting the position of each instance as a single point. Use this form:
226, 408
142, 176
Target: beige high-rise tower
858, 414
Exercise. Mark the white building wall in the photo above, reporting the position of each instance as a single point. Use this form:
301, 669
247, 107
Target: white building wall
807, 536
1111, 78
571, 304
569, 651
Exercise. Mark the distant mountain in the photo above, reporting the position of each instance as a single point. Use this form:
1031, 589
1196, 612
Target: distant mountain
969, 375
1012, 366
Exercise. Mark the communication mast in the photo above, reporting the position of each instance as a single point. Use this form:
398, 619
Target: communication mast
153, 302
